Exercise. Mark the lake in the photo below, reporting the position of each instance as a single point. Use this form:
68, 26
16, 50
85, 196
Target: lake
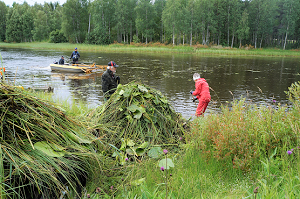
258, 79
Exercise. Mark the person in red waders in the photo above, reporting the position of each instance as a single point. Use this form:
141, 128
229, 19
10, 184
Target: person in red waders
202, 94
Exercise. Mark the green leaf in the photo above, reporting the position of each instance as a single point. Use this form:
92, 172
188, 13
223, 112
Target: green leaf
148, 95
142, 88
140, 151
121, 92
138, 115
155, 152
130, 151
166, 163
136, 94
144, 145
132, 108
138, 182
48, 149
127, 93
165, 101
123, 145
115, 154
130, 143
77, 138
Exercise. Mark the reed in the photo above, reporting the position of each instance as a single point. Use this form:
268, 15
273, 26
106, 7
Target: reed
41, 145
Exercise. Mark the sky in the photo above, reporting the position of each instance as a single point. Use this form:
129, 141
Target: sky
32, 2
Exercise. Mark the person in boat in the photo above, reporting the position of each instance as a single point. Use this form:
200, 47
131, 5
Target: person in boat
109, 80
202, 94
62, 60
75, 56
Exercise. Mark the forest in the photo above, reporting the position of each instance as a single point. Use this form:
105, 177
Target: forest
231, 23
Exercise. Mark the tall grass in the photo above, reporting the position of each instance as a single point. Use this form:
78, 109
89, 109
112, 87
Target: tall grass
226, 155
231, 154
40, 145
157, 48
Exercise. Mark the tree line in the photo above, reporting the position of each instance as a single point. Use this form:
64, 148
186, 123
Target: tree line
232, 23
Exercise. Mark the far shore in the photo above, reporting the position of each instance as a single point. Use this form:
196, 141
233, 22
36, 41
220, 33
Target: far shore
158, 48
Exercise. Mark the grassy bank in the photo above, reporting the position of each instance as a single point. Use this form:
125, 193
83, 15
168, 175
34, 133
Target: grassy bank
245, 152
242, 152
157, 48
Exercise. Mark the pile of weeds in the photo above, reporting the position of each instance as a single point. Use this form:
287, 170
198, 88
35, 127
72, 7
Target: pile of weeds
139, 113
43, 153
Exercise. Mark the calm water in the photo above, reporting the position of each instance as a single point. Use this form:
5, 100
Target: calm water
258, 79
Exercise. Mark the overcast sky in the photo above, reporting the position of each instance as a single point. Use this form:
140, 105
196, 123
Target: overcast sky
32, 2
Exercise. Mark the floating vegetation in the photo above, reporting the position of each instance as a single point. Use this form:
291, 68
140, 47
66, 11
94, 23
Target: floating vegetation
140, 113
43, 153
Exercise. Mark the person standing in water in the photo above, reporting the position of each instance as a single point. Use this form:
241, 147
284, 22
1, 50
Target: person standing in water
109, 80
75, 56
202, 94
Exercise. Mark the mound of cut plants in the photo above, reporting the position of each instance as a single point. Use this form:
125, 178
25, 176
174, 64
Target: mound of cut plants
139, 113
42, 151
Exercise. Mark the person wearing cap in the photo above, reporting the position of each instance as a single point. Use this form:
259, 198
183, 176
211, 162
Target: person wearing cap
202, 94
75, 55
109, 80
62, 60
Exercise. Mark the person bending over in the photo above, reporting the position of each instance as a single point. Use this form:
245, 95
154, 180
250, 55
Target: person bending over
202, 94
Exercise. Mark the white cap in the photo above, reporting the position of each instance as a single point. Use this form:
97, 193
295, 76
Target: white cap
196, 76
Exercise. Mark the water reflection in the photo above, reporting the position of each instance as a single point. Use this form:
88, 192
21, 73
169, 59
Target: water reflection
258, 79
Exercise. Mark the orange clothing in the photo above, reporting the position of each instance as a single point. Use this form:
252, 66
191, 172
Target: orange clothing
203, 95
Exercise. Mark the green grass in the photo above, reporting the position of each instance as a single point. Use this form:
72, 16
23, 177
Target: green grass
157, 48
216, 159
203, 169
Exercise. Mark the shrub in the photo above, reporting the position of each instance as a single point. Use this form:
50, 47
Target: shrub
57, 36
246, 133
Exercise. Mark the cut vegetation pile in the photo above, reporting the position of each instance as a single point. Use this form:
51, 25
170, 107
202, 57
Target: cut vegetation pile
41, 150
139, 113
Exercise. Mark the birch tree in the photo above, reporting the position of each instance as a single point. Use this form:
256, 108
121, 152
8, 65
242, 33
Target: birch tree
145, 18
290, 9
75, 20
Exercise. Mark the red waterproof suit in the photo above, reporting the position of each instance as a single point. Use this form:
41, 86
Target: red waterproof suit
203, 95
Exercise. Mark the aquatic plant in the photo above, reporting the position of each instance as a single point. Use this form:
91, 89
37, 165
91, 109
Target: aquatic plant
43, 152
139, 113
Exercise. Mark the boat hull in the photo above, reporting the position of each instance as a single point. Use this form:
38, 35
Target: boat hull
74, 68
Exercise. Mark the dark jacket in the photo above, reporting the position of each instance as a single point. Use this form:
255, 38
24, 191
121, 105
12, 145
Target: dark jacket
109, 83
61, 61
73, 55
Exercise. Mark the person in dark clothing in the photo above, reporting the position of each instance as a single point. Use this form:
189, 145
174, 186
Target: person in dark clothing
75, 56
109, 80
62, 60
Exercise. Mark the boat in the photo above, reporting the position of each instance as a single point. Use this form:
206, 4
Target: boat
76, 68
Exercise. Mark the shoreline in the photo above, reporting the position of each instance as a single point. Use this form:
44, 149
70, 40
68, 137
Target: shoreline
157, 48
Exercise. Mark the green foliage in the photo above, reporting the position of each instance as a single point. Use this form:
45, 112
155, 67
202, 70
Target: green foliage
3, 11
177, 22
99, 35
40, 145
138, 113
41, 28
145, 19
57, 37
75, 20
246, 133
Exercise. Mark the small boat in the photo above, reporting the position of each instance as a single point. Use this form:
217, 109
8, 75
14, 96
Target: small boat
77, 68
